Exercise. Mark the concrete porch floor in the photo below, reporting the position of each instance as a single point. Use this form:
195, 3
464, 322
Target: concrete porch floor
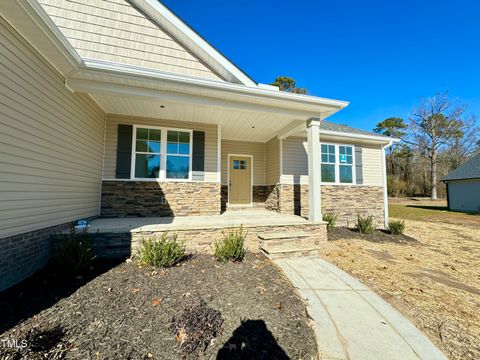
244, 217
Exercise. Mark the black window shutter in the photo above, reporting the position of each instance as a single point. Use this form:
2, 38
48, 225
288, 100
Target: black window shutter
124, 151
198, 155
359, 164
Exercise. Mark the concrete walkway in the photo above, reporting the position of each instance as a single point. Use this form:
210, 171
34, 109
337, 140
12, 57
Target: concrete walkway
350, 321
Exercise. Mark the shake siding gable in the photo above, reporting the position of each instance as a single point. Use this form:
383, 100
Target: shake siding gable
115, 31
51, 142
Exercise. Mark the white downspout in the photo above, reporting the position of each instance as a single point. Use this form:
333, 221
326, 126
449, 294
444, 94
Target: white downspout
384, 180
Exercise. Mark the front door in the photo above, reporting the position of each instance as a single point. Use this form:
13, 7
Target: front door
240, 187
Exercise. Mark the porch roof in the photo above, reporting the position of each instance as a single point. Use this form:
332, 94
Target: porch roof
244, 113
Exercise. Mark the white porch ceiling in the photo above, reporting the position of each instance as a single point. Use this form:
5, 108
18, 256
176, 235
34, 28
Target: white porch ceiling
235, 124
244, 113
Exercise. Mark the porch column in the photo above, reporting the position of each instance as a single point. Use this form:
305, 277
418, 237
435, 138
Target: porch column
314, 191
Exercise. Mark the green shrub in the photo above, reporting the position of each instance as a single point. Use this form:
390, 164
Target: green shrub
396, 227
331, 219
73, 253
232, 247
163, 252
365, 224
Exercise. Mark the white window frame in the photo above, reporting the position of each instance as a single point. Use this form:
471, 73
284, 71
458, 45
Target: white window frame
337, 164
163, 153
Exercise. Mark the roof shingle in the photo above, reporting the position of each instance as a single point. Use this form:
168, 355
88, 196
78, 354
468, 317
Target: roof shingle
330, 126
469, 170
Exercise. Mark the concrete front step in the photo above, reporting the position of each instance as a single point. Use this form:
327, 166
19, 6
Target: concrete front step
296, 238
274, 251
283, 235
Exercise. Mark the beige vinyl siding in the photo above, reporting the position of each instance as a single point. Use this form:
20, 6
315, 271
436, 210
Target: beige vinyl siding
51, 143
273, 161
113, 30
372, 165
295, 161
112, 132
256, 149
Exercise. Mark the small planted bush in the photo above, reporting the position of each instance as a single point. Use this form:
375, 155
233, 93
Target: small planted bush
396, 227
73, 253
232, 247
331, 219
365, 224
164, 252
196, 326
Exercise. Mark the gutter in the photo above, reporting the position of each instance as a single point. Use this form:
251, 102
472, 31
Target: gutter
384, 180
360, 136
126, 70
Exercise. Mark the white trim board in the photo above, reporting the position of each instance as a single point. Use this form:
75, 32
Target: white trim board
166, 19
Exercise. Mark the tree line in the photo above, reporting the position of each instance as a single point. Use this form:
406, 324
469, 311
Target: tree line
438, 136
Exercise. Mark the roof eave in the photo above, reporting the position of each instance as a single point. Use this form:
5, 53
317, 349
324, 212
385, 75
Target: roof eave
136, 73
380, 139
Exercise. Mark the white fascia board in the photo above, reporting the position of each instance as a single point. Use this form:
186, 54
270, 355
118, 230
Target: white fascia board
359, 136
168, 20
93, 87
134, 72
41, 19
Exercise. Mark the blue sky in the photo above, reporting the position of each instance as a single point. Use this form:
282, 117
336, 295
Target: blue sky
381, 56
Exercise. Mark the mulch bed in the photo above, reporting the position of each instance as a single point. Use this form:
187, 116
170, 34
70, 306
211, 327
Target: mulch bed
120, 311
378, 236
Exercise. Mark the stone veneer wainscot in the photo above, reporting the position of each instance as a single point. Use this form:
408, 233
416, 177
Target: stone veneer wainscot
153, 198
23, 254
347, 201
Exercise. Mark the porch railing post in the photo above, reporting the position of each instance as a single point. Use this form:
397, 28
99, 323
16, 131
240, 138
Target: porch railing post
314, 169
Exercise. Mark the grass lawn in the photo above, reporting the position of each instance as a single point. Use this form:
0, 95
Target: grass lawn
427, 210
121, 311
432, 276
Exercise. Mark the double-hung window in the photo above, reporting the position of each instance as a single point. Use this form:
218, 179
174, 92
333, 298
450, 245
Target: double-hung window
147, 153
337, 164
345, 159
328, 163
178, 155
162, 153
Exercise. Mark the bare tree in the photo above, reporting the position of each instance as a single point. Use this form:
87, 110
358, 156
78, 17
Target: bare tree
435, 123
462, 147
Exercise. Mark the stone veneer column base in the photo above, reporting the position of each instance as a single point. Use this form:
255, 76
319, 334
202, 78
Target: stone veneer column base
347, 201
23, 254
152, 198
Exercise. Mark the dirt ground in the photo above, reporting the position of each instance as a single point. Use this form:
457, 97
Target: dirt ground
124, 312
431, 275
